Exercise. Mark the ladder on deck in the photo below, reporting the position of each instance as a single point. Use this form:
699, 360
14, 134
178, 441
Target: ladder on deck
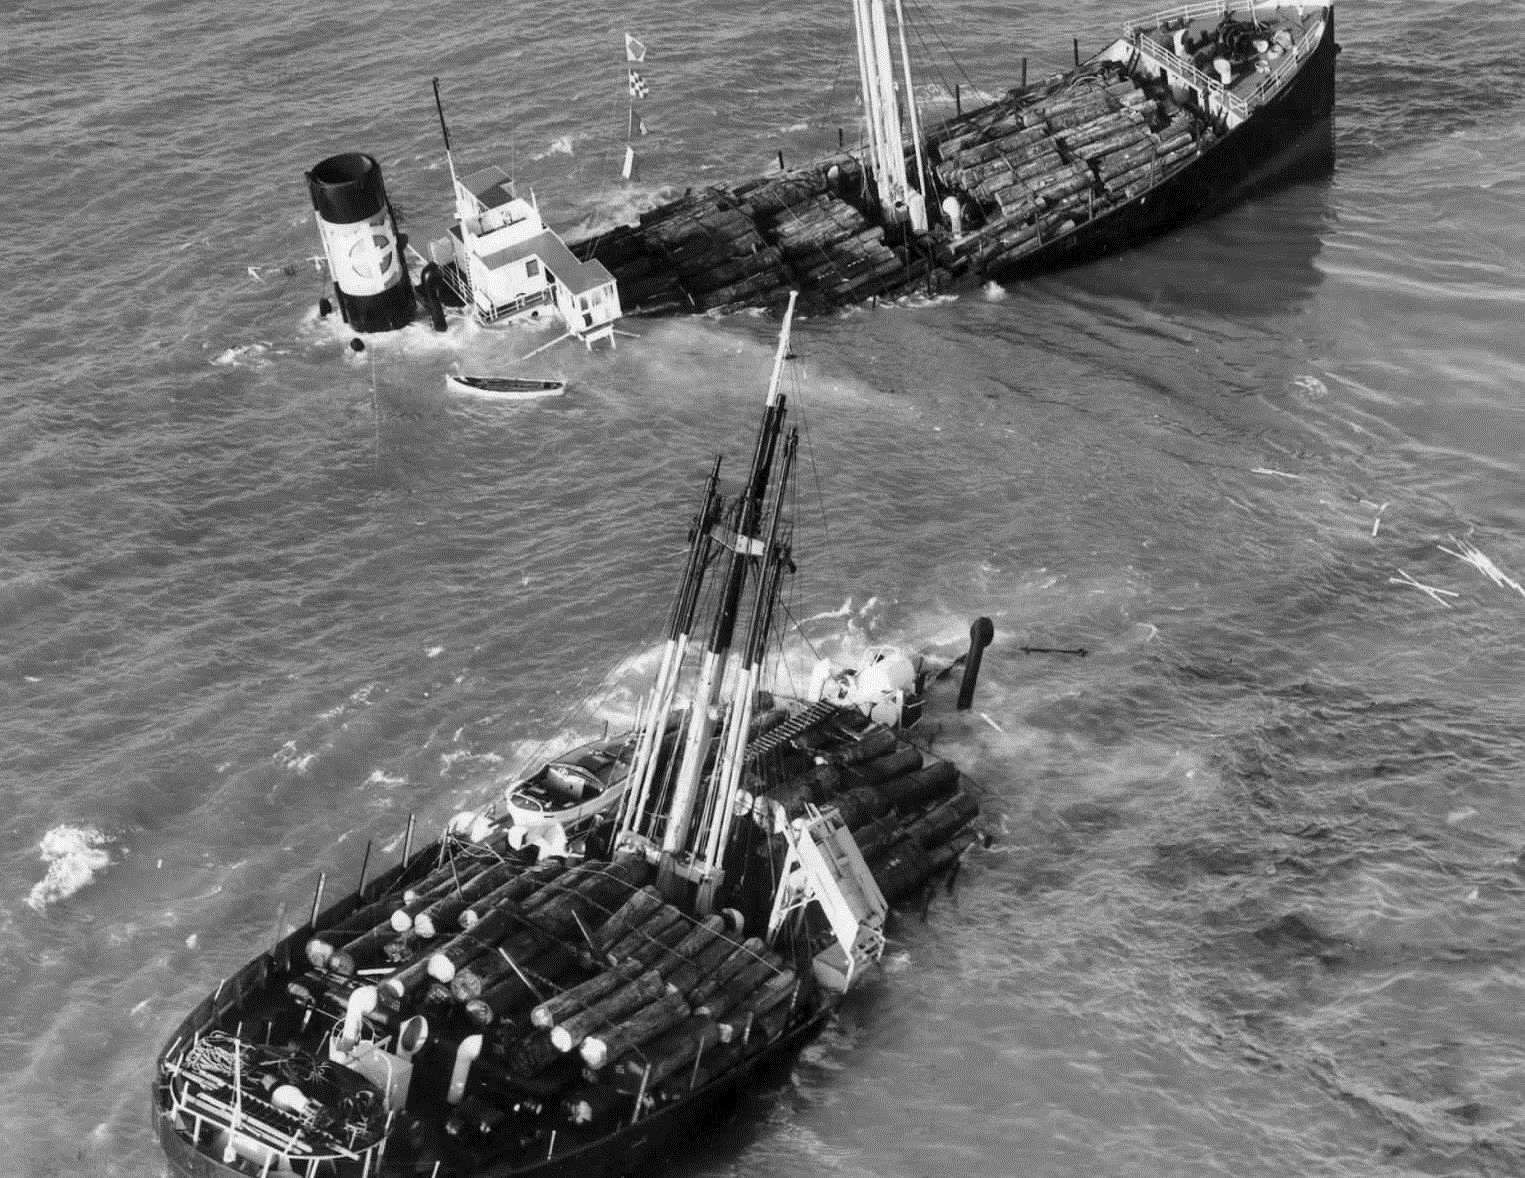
798, 724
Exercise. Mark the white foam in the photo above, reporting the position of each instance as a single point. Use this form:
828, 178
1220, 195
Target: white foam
73, 854
243, 356
288, 756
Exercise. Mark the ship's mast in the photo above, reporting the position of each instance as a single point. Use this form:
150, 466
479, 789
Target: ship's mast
898, 200
462, 210
635, 804
690, 850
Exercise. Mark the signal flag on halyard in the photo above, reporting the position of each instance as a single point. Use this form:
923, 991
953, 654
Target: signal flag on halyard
635, 52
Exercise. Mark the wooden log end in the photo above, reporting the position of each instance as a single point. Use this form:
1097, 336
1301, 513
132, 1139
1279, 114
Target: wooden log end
441, 968
466, 985
595, 1052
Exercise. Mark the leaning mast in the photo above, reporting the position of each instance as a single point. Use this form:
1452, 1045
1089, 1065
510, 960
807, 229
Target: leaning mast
898, 199
690, 851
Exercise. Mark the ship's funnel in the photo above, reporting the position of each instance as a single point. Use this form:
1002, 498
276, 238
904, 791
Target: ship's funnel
361, 243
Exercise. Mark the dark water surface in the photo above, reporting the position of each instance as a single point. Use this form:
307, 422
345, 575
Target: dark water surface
1255, 908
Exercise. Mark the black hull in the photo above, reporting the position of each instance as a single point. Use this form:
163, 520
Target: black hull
634, 1149
278, 1013
729, 247
1287, 141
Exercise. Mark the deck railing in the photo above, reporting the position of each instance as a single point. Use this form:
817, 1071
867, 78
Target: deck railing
1237, 106
1208, 8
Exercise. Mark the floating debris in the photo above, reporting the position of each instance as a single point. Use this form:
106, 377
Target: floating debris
1471, 554
1431, 591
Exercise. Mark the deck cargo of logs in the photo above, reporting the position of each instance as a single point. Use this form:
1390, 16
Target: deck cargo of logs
1043, 161
719, 247
577, 982
1026, 170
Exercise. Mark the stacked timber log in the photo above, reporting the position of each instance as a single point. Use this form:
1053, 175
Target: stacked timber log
721, 248
1046, 159
909, 815
714, 247
576, 988
697, 253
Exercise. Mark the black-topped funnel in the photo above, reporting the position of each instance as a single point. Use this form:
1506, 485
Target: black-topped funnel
361, 242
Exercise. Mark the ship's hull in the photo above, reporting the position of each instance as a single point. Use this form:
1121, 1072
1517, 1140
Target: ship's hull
278, 1015
1289, 140
493, 1006
633, 1149
815, 229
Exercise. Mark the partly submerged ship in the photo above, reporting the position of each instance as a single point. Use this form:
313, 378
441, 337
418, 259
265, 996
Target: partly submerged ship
1185, 114
482, 1009
497, 258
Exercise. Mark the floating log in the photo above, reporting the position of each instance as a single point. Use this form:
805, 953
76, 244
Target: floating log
651, 1020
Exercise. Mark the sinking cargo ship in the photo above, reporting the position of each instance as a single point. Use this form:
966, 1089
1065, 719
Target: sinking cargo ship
1187, 113
579, 1001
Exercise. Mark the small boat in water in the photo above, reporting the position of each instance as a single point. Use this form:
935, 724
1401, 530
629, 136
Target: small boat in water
1187, 113
490, 1006
505, 388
